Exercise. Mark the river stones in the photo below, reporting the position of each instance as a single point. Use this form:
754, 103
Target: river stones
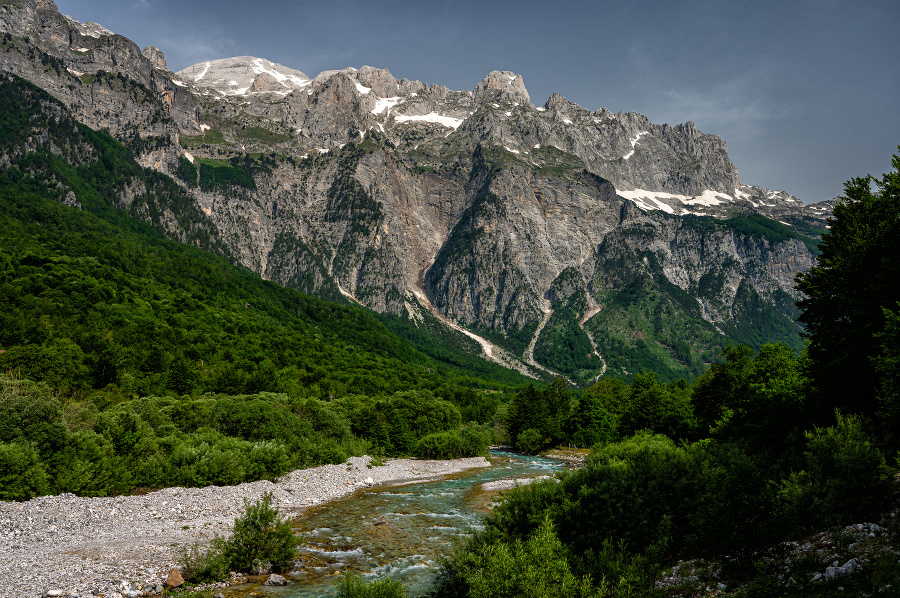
275, 580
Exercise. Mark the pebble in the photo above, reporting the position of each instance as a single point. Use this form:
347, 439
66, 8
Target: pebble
126, 545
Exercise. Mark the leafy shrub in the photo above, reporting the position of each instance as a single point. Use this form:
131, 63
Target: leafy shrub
90, 467
22, 475
732, 512
530, 441
471, 441
351, 585
443, 445
261, 536
662, 500
475, 439
211, 564
536, 567
30, 413
845, 479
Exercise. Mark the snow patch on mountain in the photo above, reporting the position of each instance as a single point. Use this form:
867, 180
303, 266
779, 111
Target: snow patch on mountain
202, 74
673, 203
382, 104
433, 117
708, 198
260, 68
634, 143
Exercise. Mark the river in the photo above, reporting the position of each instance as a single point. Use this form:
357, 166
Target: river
399, 531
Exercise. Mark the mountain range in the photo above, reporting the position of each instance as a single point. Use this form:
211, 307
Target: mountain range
552, 239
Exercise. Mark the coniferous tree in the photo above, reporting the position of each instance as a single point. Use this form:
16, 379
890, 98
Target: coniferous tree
856, 276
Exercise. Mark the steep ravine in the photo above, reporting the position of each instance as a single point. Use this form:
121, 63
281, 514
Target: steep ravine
529, 352
491, 351
593, 310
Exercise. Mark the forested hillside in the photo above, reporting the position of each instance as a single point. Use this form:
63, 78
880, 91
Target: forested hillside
774, 474
424, 203
129, 360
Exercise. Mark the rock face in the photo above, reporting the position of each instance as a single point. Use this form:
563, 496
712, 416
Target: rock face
156, 57
408, 197
104, 78
242, 75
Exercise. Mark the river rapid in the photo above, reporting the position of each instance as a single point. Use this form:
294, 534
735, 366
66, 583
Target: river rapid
399, 531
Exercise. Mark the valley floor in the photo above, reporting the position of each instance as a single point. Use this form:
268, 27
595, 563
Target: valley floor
77, 546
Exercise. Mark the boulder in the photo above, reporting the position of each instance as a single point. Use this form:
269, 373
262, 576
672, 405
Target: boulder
174, 580
275, 580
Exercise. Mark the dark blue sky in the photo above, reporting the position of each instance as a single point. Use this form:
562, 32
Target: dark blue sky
806, 93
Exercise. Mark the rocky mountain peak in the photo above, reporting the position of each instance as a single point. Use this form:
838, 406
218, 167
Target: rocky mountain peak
156, 57
556, 103
240, 75
378, 80
502, 83
407, 197
326, 75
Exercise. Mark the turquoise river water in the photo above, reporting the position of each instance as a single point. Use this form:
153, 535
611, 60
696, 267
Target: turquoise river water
399, 531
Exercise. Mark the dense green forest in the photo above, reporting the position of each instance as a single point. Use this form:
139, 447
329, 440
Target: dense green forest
737, 479
132, 361
128, 360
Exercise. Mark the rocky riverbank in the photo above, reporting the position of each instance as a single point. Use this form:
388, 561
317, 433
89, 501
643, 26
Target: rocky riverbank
125, 546
510, 483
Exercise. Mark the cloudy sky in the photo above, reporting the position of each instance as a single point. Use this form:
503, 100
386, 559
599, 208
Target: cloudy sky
805, 92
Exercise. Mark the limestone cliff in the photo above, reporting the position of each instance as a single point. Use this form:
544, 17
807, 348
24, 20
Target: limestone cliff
405, 196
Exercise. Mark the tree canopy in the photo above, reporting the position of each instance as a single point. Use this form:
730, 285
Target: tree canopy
856, 278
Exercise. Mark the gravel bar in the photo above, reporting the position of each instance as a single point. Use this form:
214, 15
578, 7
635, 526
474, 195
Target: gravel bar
124, 546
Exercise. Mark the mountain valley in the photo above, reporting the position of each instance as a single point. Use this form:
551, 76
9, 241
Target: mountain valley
562, 241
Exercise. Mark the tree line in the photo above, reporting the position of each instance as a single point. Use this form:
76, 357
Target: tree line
766, 447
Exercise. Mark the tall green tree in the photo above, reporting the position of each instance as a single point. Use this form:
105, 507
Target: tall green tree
754, 400
887, 364
855, 278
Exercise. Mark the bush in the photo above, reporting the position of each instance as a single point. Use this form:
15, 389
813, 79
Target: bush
261, 536
471, 441
536, 567
351, 585
476, 438
443, 445
530, 441
846, 478
22, 475
662, 500
205, 565
733, 512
